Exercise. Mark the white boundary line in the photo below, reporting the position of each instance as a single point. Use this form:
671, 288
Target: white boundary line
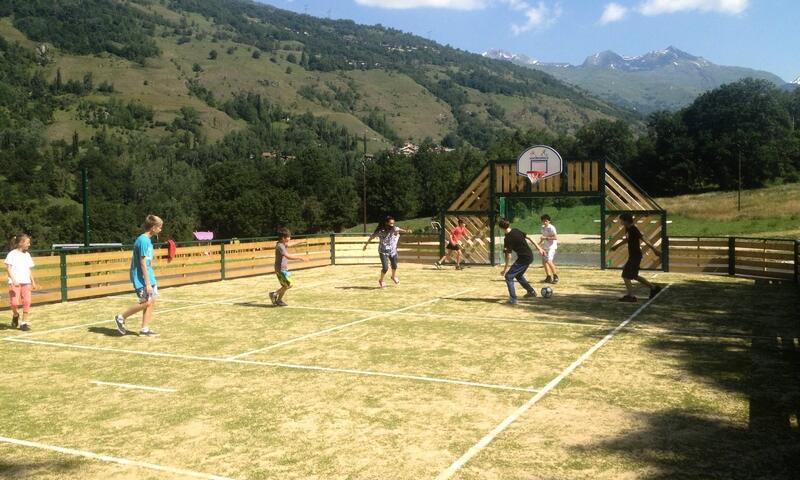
291, 366
109, 458
134, 387
193, 304
345, 325
483, 442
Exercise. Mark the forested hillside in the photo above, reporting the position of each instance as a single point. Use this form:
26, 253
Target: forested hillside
239, 118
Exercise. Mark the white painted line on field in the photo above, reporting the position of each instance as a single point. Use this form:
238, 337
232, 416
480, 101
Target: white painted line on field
193, 304
109, 458
343, 326
368, 373
134, 387
483, 442
159, 312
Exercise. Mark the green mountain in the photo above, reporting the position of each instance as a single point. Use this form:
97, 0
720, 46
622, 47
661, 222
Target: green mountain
167, 55
667, 79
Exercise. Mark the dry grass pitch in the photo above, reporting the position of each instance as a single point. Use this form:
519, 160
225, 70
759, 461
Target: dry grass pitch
433, 378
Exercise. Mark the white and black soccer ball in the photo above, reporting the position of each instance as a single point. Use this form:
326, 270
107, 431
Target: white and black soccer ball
547, 292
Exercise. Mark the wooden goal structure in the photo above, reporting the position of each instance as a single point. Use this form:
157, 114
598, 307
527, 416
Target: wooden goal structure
479, 206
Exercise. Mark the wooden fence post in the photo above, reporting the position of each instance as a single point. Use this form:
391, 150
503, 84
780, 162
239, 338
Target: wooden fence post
732, 256
63, 264
333, 249
222, 260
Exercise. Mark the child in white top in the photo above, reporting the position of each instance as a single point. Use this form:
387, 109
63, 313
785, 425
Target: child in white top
20, 280
549, 243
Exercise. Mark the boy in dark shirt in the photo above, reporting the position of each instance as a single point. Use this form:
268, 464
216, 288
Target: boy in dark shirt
630, 271
516, 241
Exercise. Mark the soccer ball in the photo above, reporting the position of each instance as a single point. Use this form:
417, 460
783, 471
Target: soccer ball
547, 292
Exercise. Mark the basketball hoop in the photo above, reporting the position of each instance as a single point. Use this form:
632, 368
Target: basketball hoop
534, 176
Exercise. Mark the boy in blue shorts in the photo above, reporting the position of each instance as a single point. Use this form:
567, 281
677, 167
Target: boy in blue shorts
143, 278
282, 258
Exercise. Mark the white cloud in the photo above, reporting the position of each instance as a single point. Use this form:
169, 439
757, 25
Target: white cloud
540, 16
446, 4
613, 12
658, 7
535, 16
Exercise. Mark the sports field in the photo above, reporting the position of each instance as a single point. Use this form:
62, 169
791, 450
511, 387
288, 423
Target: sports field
432, 378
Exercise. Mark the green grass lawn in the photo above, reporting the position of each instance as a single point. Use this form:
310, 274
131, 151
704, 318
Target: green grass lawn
354, 381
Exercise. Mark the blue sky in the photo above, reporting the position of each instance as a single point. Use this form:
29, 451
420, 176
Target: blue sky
761, 34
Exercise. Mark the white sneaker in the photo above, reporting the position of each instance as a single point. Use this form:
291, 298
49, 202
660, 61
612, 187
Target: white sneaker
120, 324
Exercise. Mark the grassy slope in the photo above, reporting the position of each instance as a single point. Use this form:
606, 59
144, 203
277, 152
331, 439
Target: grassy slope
411, 110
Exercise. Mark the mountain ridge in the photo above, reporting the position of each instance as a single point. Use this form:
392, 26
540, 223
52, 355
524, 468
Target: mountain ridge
661, 79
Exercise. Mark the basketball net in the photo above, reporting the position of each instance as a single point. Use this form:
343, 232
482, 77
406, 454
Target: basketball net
534, 176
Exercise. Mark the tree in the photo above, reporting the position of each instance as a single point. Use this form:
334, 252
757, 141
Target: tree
212, 55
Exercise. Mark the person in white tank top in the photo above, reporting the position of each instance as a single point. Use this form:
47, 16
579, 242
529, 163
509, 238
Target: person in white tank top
549, 243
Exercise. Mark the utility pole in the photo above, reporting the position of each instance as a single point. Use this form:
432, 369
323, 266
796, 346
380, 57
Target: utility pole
740, 180
364, 177
85, 183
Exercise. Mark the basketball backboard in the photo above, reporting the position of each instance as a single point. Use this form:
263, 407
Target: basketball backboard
540, 158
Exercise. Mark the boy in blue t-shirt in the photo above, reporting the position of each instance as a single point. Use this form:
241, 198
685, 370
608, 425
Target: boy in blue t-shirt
143, 278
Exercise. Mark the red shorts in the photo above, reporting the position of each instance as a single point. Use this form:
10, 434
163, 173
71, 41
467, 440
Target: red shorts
20, 294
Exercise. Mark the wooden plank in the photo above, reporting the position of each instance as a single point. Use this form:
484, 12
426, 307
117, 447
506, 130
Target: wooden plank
482, 177
46, 260
77, 293
98, 256
693, 242
96, 268
587, 176
765, 264
97, 279
779, 275
693, 269
780, 256
186, 270
188, 280
595, 185
787, 246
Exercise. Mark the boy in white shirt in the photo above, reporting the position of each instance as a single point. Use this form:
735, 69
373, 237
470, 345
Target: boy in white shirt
549, 243
20, 280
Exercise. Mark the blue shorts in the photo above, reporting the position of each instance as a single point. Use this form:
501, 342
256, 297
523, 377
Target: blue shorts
141, 294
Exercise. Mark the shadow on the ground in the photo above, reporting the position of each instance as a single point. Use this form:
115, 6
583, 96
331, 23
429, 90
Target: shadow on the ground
357, 287
26, 469
109, 332
765, 368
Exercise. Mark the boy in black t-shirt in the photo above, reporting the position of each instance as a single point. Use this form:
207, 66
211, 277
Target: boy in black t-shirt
516, 241
630, 271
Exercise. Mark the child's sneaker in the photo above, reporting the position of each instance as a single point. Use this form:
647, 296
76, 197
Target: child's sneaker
628, 298
273, 296
381, 284
120, 324
459, 267
396, 280
654, 291
147, 333
549, 279
510, 302
15, 320
281, 303
531, 294
555, 278
24, 327
438, 265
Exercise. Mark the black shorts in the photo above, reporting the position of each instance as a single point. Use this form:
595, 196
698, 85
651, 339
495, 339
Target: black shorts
455, 247
631, 268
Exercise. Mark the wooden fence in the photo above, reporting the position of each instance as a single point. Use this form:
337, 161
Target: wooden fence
64, 275
757, 258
